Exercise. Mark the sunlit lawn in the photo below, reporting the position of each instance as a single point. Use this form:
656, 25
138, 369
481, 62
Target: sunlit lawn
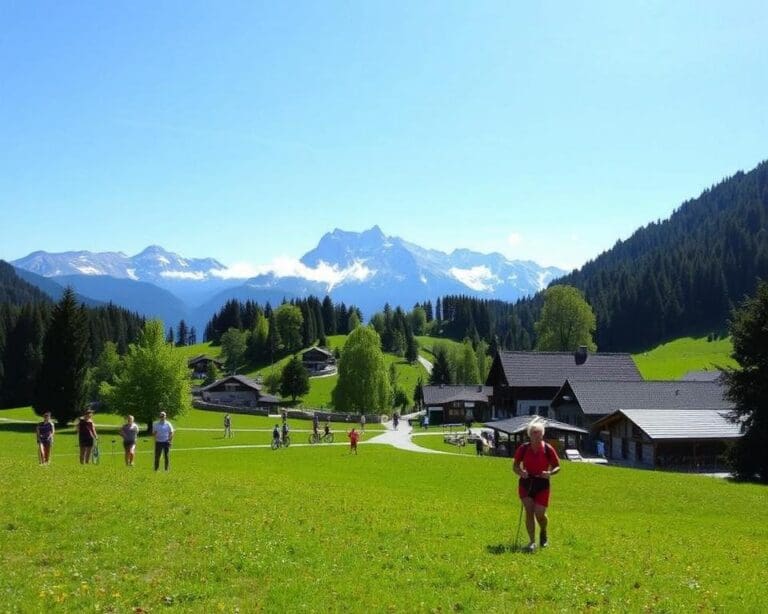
317, 529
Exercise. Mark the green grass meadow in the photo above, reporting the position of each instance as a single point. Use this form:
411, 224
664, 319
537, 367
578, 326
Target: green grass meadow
674, 359
315, 529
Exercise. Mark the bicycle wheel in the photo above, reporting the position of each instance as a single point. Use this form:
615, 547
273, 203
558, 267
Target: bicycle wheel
328, 438
313, 438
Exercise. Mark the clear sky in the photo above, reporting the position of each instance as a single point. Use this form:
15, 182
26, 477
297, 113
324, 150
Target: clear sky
246, 130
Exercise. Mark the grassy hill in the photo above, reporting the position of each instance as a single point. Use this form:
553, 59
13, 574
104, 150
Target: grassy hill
674, 359
313, 528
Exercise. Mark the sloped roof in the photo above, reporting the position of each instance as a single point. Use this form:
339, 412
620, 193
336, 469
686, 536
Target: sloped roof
438, 395
200, 357
702, 376
679, 423
314, 348
519, 424
604, 397
551, 369
245, 381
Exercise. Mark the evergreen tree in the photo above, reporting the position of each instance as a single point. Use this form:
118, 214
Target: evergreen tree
329, 316
169, 338
418, 394
441, 368
182, 334
273, 338
192, 336
411, 349
466, 365
61, 383
211, 374
747, 386
294, 381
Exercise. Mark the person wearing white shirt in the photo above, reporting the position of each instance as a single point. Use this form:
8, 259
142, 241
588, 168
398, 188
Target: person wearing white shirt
162, 430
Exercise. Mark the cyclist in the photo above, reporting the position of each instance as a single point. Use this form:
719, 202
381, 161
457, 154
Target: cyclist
328, 427
276, 434
315, 424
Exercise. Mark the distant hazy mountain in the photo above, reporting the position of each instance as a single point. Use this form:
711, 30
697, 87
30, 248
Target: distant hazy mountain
367, 269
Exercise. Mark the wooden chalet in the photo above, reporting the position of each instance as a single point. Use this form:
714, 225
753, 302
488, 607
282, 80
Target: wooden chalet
524, 383
582, 402
318, 360
679, 439
457, 404
238, 391
199, 364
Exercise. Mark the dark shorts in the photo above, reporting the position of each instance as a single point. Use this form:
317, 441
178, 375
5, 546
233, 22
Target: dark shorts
46, 443
86, 442
128, 444
535, 488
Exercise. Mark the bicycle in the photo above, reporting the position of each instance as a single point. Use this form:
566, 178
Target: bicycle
281, 442
320, 438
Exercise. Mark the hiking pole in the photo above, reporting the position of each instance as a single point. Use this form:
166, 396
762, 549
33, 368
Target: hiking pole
519, 524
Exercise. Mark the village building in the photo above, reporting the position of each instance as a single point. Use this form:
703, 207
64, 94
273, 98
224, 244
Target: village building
199, 365
447, 404
238, 391
524, 383
510, 433
678, 439
583, 402
318, 361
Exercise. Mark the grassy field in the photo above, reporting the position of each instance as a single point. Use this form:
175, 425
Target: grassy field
315, 529
674, 359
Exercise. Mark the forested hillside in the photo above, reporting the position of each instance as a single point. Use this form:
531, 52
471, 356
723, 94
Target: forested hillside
24, 315
674, 278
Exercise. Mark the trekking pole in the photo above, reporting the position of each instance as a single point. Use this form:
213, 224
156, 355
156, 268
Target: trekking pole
519, 524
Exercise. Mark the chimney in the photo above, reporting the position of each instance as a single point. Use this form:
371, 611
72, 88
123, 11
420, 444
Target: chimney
581, 355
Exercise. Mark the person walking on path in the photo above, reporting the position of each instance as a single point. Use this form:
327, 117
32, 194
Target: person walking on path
44, 432
227, 426
535, 462
86, 435
129, 432
362, 423
354, 436
162, 430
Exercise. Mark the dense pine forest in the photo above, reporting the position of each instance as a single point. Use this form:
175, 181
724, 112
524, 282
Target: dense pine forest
24, 317
672, 278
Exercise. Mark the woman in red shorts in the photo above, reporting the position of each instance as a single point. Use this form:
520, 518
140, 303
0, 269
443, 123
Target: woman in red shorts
535, 462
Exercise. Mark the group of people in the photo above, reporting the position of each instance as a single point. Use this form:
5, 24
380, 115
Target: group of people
162, 432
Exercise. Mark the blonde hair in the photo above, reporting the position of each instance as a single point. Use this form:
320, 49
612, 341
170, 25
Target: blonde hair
537, 424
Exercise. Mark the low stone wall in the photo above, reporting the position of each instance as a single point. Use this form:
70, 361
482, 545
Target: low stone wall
232, 409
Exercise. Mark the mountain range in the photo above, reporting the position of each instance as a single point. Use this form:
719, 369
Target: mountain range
366, 269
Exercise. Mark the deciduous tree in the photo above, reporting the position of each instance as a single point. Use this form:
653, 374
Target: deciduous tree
567, 321
363, 384
294, 381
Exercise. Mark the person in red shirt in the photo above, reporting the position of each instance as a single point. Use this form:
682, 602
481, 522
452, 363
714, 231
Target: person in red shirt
535, 462
354, 436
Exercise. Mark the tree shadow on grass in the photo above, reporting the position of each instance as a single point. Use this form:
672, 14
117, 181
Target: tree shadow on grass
18, 427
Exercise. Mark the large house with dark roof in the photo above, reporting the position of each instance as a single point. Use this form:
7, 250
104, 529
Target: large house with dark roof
582, 402
318, 360
457, 404
238, 391
524, 383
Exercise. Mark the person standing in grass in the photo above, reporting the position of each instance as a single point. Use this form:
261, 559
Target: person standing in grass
535, 462
45, 431
227, 426
129, 432
362, 423
162, 430
354, 436
86, 435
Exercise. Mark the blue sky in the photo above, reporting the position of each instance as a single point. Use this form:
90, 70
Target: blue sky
244, 131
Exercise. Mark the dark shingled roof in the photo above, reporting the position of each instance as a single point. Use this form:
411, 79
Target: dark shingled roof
602, 398
702, 376
199, 357
439, 395
519, 424
245, 381
551, 369
317, 349
679, 423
